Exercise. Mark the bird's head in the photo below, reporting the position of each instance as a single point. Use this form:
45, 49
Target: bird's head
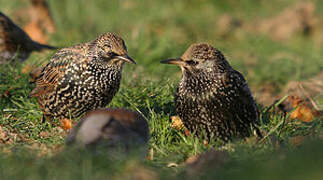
112, 49
200, 57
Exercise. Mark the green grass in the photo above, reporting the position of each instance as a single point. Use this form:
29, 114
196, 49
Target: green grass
155, 30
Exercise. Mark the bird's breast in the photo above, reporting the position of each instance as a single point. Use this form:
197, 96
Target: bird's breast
200, 88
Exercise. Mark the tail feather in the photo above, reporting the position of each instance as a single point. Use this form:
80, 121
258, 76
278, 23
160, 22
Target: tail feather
39, 47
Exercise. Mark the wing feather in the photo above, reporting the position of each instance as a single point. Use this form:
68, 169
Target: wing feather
244, 106
52, 73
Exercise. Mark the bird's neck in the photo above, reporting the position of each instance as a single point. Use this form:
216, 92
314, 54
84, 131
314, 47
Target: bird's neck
198, 84
102, 63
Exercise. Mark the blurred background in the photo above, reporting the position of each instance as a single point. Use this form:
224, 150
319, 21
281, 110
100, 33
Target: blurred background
277, 45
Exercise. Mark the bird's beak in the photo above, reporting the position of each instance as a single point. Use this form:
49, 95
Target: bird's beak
176, 61
126, 58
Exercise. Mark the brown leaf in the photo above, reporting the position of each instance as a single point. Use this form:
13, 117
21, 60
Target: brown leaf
300, 108
66, 124
177, 122
303, 111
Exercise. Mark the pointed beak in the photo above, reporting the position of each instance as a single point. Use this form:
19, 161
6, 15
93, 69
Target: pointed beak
176, 61
126, 58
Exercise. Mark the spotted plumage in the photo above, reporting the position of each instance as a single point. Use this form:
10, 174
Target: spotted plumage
15, 43
109, 128
81, 78
212, 96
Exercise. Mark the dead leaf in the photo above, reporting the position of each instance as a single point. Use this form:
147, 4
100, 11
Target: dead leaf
66, 124
311, 88
300, 108
177, 122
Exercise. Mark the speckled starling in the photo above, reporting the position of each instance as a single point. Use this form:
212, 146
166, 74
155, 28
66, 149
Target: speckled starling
109, 128
15, 43
81, 78
212, 96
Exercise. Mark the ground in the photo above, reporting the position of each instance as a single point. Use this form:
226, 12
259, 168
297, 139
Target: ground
273, 44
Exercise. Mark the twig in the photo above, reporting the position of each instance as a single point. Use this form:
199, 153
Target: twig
308, 96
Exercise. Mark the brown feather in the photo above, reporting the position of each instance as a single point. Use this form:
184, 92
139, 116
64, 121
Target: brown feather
35, 73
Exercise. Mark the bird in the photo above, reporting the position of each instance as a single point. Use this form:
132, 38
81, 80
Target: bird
80, 78
212, 97
15, 43
106, 128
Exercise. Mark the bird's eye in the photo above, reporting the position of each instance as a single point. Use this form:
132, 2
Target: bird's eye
111, 54
191, 63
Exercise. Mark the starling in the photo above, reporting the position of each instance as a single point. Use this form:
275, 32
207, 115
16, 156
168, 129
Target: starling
108, 128
15, 43
80, 78
212, 96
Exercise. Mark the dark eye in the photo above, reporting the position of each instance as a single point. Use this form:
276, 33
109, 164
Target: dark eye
111, 54
107, 46
191, 63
